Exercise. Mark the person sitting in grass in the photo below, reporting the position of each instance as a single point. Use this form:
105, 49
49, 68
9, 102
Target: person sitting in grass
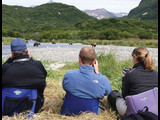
142, 77
22, 71
87, 83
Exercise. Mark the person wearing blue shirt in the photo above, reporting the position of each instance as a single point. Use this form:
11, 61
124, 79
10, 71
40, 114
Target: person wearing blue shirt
87, 82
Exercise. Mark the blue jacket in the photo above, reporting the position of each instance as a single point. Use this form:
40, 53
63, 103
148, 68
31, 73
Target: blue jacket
86, 84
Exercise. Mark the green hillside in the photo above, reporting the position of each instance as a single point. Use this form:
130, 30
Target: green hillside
146, 10
60, 21
43, 17
113, 28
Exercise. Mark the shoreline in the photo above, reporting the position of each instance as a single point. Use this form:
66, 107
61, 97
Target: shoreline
70, 54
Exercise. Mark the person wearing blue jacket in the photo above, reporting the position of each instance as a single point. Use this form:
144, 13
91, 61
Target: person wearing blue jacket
87, 82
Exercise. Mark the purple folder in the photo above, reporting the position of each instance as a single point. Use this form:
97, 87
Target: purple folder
139, 101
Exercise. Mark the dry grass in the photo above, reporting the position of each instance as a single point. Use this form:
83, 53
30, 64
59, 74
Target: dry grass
54, 94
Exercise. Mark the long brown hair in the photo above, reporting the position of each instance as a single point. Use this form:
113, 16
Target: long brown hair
143, 56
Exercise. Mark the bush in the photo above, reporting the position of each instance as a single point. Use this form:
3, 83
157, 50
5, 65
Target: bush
85, 34
126, 34
145, 35
109, 34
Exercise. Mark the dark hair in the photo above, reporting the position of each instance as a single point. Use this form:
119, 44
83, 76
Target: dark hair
87, 55
20, 52
143, 56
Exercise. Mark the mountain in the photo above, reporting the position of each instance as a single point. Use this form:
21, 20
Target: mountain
146, 10
44, 3
51, 1
100, 13
121, 14
47, 16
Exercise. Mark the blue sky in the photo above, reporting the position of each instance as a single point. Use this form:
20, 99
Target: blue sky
110, 5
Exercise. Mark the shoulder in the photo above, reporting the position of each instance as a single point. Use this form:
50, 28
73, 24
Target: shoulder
154, 73
72, 72
38, 64
35, 62
103, 78
132, 72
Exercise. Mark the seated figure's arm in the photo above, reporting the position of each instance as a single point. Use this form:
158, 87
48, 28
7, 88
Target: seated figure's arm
108, 87
65, 83
125, 86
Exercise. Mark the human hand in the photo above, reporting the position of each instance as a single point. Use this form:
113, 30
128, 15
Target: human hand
96, 67
11, 55
125, 70
29, 54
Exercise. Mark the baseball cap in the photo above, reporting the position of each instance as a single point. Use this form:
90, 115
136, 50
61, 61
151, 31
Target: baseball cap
18, 44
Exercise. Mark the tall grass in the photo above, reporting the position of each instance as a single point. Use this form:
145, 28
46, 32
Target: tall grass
7, 40
54, 93
112, 68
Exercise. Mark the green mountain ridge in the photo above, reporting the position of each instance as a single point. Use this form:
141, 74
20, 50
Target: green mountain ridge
146, 10
60, 21
51, 15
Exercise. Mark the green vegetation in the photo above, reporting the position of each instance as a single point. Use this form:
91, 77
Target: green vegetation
41, 18
115, 29
147, 10
105, 29
7, 40
54, 93
65, 23
59, 21
125, 42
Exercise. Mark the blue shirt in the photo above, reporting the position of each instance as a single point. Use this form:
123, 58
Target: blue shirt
86, 84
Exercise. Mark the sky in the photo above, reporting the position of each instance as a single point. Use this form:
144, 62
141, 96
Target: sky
115, 6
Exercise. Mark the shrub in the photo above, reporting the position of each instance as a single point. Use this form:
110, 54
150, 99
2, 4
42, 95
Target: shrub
145, 35
126, 34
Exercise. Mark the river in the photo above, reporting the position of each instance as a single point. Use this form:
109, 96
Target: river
63, 52
6, 49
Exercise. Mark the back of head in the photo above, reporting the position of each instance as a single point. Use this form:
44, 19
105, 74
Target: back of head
143, 56
87, 55
18, 47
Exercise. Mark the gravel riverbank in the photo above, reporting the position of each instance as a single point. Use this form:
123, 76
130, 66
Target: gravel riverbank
70, 54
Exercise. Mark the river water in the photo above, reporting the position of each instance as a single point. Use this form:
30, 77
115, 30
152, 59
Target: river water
64, 52
6, 49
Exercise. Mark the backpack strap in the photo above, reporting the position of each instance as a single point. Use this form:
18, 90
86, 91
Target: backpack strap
147, 115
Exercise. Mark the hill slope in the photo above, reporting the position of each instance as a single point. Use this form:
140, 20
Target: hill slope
46, 16
146, 10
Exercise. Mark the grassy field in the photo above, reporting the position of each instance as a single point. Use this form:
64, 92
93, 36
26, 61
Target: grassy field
7, 40
54, 93
125, 42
